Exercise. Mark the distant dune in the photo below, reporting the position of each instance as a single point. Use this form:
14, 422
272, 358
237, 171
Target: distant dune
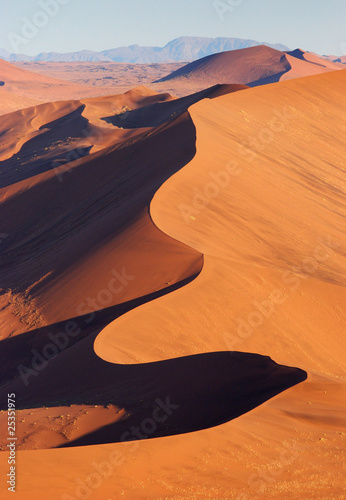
252, 66
315, 59
336, 59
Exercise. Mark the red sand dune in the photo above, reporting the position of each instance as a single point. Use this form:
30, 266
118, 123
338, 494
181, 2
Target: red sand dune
258, 193
336, 59
251, 66
83, 225
315, 59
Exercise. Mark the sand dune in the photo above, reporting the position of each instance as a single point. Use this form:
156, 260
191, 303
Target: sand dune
52, 253
315, 59
251, 66
246, 255
337, 59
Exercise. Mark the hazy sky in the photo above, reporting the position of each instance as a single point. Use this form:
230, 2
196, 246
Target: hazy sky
315, 25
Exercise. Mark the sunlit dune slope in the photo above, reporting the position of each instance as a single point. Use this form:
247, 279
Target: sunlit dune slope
264, 201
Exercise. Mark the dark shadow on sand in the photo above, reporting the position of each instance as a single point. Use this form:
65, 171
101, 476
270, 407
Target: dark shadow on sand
163, 398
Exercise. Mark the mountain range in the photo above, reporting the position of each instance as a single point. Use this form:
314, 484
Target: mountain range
181, 49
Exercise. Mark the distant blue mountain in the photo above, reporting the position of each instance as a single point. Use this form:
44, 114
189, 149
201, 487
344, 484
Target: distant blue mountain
185, 48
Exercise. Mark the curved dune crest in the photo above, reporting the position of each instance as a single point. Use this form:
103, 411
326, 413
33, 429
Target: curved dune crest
273, 282
259, 379
243, 229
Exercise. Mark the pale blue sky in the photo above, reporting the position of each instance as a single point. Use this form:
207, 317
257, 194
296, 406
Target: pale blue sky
315, 25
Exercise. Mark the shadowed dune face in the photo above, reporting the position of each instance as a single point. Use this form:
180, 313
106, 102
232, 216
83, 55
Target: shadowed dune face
192, 393
68, 253
315, 59
198, 391
46, 164
49, 136
18, 128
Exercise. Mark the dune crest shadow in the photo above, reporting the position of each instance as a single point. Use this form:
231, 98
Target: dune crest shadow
192, 393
